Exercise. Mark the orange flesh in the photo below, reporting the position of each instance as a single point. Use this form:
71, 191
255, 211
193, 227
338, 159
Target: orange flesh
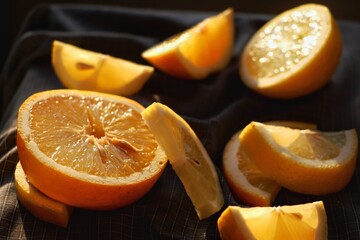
201, 45
281, 226
205, 38
308, 145
284, 44
100, 138
254, 176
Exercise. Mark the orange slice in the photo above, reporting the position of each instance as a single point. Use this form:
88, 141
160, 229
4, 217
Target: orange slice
294, 222
87, 149
293, 54
83, 69
248, 184
39, 204
198, 51
304, 161
188, 157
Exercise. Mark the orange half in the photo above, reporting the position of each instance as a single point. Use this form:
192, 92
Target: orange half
87, 149
293, 54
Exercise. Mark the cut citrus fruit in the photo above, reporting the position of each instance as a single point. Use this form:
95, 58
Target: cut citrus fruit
292, 124
198, 51
248, 184
87, 149
293, 54
188, 158
293, 222
305, 161
83, 69
37, 203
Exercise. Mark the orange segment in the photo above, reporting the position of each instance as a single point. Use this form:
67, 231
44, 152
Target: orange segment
293, 54
82, 69
37, 203
296, 222
87, 149
304, 161
188, 157
248, 184
198, 51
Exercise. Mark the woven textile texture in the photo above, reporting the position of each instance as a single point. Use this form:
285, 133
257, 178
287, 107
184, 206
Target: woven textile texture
215, 108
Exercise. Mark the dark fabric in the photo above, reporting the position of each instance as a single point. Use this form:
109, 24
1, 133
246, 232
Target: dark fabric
216, 108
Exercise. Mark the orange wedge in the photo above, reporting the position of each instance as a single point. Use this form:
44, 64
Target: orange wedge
188, 157
294, 54
87, 149
248, 184
305, 161
37, 203
198, 51
83, 69
295, 222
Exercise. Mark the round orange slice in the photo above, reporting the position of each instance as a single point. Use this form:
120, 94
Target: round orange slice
83, 69
87, 149
198, 51
294, 54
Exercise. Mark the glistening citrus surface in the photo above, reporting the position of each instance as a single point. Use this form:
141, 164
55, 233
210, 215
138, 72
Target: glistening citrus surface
294, 54
87, 149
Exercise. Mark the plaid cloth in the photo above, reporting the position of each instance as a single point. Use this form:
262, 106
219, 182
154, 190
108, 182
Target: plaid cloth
215, 108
